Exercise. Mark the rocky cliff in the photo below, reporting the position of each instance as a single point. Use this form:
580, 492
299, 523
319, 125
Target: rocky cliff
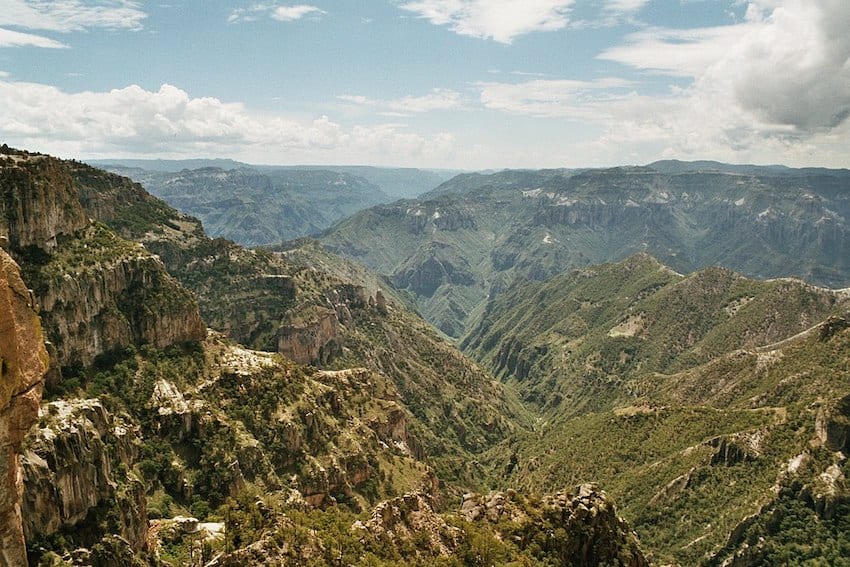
98, 292
575, 528
23, 363
76, 476
38, 204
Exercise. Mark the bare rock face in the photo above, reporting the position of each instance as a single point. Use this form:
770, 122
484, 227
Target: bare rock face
23, 362
311, 340
75, 461
38, 203
833, 425
131, 300
98, 292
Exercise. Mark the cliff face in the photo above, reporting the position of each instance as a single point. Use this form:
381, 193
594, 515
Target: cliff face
98, 292
38, 203
23, 360
72, 466
311, 334
312, 341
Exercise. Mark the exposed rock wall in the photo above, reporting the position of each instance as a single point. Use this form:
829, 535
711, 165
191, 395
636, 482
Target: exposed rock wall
97, 292
311, 341
38, 202
72, 466
129, 301
23, 361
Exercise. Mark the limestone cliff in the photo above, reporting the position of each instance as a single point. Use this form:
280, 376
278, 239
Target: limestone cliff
38, 203
23, 361
98, 292
75, 468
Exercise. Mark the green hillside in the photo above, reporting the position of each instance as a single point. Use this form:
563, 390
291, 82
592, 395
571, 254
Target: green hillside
465, 241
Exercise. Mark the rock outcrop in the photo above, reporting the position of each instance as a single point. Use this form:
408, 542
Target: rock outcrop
403, 518
311, 333
23, 363
833, 425
130, 300
39, 204
98, 292
76, 475
314, 339
582, 529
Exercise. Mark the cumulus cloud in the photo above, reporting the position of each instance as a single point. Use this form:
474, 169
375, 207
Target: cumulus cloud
786, 64
170, 122
499, 20
280, 13
436, 99
72, 15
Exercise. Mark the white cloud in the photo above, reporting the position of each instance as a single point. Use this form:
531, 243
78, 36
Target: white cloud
280, 13
500, 20
675, 52
788, 64
72, 15
552, 98
624, 6
774, 87
170, 122
292, 13
436, 99
10, 38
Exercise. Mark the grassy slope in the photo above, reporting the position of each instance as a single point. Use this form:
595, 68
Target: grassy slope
644, 411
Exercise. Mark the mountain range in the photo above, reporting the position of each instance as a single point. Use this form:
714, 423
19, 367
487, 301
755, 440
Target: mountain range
612, 397
471, 237
255, 205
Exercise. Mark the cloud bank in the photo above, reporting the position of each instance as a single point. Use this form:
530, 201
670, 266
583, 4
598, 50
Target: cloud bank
170, 122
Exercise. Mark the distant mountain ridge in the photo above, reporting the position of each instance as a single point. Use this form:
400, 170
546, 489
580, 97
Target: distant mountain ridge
260, 205
397, 182
253, 207
470, 237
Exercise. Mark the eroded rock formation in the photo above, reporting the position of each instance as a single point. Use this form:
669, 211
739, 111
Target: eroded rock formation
98, 292
23, 360
72, 465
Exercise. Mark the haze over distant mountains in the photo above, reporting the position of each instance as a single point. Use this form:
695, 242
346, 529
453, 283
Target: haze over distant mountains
255, 205
469, 238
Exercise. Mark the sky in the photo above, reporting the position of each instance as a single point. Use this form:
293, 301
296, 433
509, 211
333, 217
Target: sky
459, 84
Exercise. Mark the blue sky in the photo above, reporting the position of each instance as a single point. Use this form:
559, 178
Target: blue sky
430, 83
